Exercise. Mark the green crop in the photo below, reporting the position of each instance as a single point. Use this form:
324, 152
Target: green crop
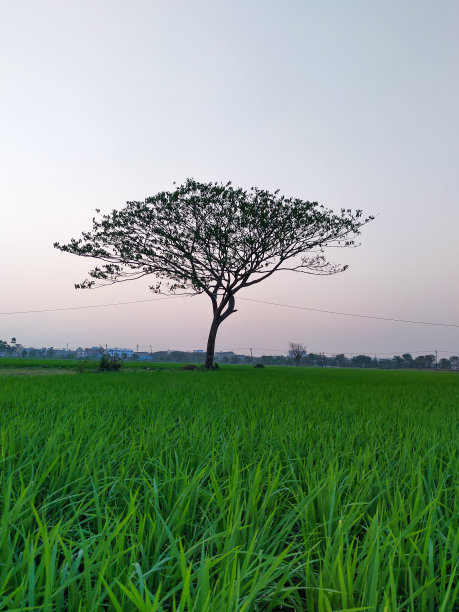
239, 490
87, 365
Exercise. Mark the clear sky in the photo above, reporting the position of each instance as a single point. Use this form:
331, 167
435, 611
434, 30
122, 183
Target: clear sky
353, 103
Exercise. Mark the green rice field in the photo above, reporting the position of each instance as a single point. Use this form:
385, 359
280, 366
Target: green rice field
87, 365
239, 490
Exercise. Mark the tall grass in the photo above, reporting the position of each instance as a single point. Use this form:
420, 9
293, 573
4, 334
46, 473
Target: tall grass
238, 490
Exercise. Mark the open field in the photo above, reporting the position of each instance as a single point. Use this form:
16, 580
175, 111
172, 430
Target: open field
37, 371
88, 365
237, 490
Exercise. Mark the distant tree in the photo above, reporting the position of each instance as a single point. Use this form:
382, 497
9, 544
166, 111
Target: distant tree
23, 353
340, 360
408, 359
398, 361
313, 359
362, 361
444, 364
213, 239
297, 350
13, 347
424, 361
50, 353
454, 361
178, 356
109, 363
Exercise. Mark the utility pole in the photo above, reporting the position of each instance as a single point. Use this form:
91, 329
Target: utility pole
136, 348
251, 357
436, 359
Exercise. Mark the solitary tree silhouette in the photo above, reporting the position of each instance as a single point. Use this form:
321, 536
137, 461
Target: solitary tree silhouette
215, 239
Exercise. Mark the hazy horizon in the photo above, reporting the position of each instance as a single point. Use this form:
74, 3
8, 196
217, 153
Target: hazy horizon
353, 105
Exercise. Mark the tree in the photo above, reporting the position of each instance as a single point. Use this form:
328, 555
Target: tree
408, 359
362, 361
213, 239
15, 348
341, 360
424, 361
297, 350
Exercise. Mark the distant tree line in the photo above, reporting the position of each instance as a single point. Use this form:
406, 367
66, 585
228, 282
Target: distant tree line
297, 356
405, 361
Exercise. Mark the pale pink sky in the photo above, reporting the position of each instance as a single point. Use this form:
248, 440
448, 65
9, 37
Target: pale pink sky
353, 104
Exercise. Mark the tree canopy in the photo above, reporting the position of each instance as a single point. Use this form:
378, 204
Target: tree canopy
215, 239
297, 350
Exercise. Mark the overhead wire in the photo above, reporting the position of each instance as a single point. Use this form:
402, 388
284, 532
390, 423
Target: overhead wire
171, 297
15, 312
350, 314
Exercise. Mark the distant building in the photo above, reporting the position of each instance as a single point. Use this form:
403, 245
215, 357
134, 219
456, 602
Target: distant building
124, 353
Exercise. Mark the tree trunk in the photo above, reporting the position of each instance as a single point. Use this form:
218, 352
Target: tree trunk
220, 314
211, 344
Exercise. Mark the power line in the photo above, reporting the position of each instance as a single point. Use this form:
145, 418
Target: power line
255, 348
349, 314
170, 297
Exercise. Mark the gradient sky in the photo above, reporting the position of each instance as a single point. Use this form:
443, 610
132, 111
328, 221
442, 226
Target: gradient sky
352, 103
